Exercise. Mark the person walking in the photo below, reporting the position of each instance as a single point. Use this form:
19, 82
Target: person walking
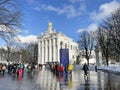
20, 69
4, 68
96, 68
70, 68
60, 70
85, 68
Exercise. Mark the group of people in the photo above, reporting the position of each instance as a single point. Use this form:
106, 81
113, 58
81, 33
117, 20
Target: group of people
17, 69
58, 69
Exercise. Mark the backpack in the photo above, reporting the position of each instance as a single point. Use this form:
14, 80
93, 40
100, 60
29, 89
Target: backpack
29, 67
4, 67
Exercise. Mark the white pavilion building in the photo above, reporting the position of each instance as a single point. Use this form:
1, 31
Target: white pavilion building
50, 43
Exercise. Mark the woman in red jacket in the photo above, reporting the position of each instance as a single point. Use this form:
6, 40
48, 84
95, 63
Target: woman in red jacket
60, 69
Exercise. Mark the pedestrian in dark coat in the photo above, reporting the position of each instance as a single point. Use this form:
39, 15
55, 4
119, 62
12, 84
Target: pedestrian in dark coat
85, 68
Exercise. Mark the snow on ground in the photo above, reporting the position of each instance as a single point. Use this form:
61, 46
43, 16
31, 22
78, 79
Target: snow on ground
91, 61
113, 68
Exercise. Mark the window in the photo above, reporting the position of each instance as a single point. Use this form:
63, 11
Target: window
65, 45
61, 44
71, 46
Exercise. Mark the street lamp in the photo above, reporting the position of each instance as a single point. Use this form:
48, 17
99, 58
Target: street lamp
97, 55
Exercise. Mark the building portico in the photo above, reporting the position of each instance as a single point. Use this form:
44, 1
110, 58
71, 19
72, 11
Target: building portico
50, 44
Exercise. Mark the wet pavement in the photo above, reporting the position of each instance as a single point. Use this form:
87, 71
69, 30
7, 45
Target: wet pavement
46, 80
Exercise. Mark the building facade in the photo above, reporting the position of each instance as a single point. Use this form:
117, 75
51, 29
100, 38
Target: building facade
51, 42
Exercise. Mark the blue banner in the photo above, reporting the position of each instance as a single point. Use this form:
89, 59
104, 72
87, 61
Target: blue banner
64, 56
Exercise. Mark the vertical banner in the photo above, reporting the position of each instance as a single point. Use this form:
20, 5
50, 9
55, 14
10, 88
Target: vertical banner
64, 56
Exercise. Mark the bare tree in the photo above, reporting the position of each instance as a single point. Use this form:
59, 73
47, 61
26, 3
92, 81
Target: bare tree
11, 45
115, 32
104, 41
86, 43
29, 53
10, 20
10, 17
10, 13
109, 36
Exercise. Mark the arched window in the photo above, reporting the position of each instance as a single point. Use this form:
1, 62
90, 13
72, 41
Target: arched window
55, 40
65, 45
52, 41
73, 57
61, 44
40, 43
71, 46
44, 42
48, 42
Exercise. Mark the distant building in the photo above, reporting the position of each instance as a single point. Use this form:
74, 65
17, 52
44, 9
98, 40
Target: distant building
51, 42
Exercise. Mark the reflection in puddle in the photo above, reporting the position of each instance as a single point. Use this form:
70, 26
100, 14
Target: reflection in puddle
45, 80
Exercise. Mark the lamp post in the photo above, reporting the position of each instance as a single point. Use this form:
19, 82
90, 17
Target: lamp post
20, 57
97, 55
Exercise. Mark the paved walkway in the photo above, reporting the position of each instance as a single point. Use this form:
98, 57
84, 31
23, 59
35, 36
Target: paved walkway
45, 80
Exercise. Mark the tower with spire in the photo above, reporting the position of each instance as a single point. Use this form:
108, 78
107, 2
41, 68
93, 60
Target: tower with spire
50, 28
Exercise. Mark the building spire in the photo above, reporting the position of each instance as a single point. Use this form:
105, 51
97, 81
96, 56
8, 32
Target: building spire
49, 27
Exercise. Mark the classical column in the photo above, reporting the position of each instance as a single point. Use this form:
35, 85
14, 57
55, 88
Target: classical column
50, 47
46, 51
58, 50
56, 54
54, 50
39, 52
42, 52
